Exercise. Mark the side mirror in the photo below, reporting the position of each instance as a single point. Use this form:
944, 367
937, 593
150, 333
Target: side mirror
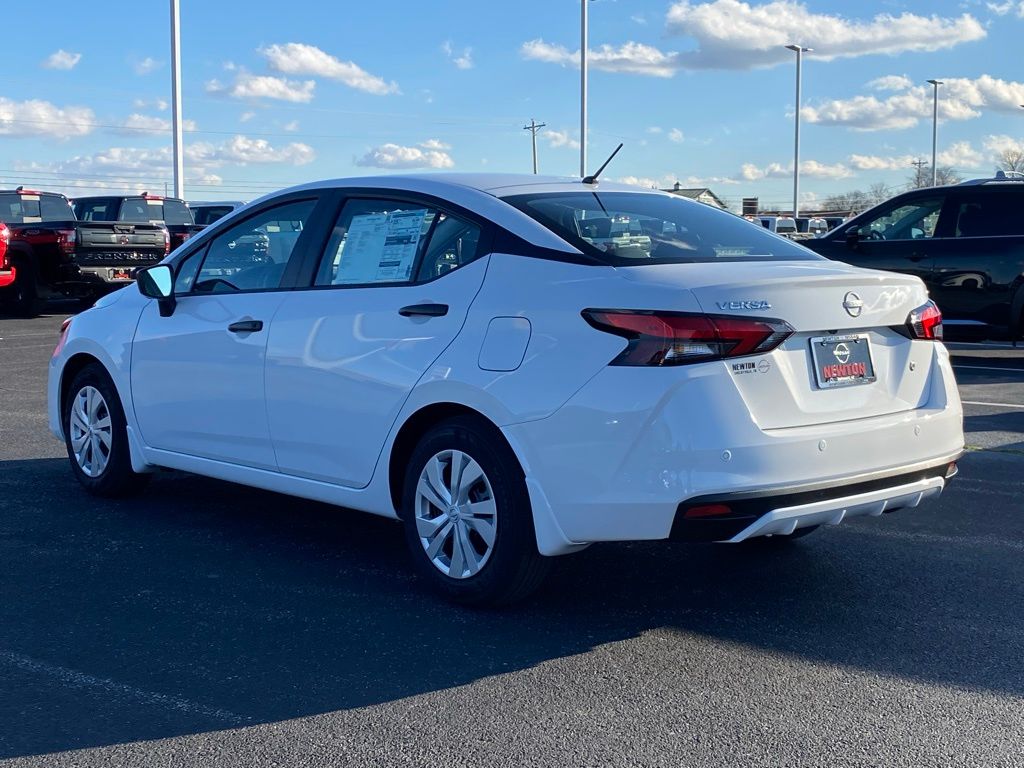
157, 282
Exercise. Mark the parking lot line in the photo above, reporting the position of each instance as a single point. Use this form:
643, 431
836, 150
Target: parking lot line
988, 368
995, 405
75, 679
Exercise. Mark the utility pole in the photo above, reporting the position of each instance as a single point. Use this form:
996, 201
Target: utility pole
178, 148
919, 173
533, 127
935, 131
800, 51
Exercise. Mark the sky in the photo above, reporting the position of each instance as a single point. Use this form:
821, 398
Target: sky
700, 91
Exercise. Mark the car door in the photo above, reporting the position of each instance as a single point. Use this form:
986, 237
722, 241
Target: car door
197, 376
979, 267
389, 294
897, 236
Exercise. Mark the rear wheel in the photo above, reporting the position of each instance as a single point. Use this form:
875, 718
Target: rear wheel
23, 296
95, 433
467, 516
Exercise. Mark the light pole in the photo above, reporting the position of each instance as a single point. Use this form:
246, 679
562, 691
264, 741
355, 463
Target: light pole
179, 161
935, 131
800, 51
584, 35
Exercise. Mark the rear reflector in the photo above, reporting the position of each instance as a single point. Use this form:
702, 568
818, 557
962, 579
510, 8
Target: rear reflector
677, 338
707, 510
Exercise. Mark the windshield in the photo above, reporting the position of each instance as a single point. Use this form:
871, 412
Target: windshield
155, 210
628, 228
32, 209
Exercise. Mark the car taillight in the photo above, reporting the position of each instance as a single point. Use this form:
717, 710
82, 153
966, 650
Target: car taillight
167, 242
63, 335
925, 322
5, 242
66, 241
677, 338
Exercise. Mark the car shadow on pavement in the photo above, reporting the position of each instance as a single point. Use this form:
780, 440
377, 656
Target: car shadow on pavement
203, 605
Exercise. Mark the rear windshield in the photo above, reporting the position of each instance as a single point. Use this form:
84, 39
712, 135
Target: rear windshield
207, 214
150, 209
628, 228
32, 209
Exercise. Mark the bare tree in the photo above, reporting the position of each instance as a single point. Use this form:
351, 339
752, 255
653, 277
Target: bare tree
922, 176
878, 192
1011, 160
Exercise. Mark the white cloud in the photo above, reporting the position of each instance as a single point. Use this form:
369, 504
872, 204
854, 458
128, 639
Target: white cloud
959, 99
291, 126
876, 163
136, 123
638, 18
808, 169
1000, 143
655, 129
642, 181
960, 155
730, 34
252, 87
429, 154
245, 117
243, 150
1010, 6
669, 180
558, 139
303, 59
891, 83
635, 58
62, 59
35, 117
146, 66
676, 136
462, 60
157, 104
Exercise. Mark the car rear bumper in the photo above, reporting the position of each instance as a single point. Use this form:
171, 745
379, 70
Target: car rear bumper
781, 511
621, 457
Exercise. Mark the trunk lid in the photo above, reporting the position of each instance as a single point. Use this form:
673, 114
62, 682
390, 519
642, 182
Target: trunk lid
818, 299
108, 244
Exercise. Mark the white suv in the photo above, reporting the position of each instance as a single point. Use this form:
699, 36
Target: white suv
456, 353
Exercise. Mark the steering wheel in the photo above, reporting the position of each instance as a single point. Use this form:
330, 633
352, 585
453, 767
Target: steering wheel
874, 234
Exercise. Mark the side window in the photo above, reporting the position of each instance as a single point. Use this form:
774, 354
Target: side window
186, 276
378, 242
991, 213
252, 255
909, 221
176, 212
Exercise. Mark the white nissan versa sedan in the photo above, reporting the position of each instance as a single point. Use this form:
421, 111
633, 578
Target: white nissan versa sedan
479, 358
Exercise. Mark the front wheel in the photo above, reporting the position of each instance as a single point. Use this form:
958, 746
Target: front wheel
467, 515
95, 433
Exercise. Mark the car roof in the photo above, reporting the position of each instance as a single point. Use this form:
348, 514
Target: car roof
496, 184
211, 203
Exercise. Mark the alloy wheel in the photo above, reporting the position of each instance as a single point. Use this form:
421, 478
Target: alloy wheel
456, 516
91, 431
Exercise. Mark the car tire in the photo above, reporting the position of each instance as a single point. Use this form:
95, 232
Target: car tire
24, 298
484, 530
96, 436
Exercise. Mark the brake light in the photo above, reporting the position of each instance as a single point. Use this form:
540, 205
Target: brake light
925, 322
23, 191
5, 242
678, 338
167, 242
63, 335
66, 241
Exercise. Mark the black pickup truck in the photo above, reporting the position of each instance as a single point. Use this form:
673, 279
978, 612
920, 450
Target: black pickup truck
145, 208
45, 253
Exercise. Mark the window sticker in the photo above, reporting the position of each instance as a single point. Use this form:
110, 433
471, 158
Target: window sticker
380, 247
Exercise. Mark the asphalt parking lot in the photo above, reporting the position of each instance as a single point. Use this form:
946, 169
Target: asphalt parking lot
206, 623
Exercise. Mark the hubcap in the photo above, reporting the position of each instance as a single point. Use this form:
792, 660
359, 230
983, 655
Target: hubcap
456, 516
91, 431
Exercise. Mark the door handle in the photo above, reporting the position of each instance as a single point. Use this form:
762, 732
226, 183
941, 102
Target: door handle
246, 326
424, 310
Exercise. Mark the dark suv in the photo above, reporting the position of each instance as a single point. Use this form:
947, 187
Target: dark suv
965, 241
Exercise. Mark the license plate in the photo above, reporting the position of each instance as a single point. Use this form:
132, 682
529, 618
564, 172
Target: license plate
842, 361
120, 274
